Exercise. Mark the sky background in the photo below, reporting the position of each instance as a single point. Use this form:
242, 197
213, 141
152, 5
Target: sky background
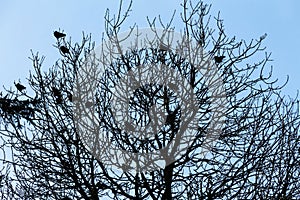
29, 24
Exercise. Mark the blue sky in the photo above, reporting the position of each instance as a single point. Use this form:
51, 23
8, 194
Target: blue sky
30, 24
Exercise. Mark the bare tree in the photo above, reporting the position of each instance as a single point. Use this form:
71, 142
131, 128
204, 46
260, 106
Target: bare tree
256, 155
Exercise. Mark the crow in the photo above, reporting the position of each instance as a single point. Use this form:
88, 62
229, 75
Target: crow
59, 34
64, 49
20, 87
219, 59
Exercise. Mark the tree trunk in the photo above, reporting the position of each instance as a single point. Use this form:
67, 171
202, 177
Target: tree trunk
168, 176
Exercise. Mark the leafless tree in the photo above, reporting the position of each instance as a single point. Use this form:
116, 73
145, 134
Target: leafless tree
256, 155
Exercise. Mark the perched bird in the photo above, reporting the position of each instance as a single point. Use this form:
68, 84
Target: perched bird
64, 49
59, 100
219, 59
102, 186
129, 126
163, 47
20, 87
59, 34
58, 95
89, 104
56, 92
5, 104
173, 86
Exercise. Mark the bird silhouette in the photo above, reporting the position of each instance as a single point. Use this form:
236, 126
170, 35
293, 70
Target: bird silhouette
89, 104
64, 49
163, 47
59, 34
219, 59
20, 87
56, 92
59, 100
58, 95
101, 186
173, 86
129, 126
5, 104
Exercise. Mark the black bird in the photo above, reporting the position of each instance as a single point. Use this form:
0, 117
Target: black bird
59, 34
58, 95
101, 186
219, 59
20, 87
59, 100
56, 92
5, 104
64, 49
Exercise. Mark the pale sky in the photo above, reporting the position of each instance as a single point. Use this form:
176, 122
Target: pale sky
30, 24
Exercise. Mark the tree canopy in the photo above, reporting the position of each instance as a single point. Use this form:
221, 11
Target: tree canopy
255, 154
